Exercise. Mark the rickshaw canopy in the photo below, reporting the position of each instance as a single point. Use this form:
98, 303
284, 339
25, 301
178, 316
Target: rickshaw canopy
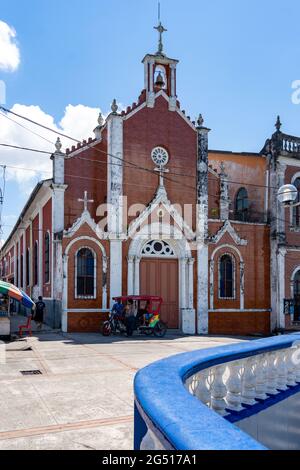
154, 301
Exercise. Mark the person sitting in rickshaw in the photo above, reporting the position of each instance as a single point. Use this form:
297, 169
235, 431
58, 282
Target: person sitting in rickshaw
142, 312
130, 317
118, 308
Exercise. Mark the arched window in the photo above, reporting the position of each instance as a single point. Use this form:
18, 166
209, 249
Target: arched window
242, 205
35, 265
85, 274
296, 210
226, 277
47, 257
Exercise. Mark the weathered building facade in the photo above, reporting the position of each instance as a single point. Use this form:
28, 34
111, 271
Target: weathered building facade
145, 208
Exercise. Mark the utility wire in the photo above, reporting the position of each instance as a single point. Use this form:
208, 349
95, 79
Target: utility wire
111, 155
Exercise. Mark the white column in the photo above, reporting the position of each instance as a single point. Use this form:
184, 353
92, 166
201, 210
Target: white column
31, 257
173, 92
41, 240
130, 288
115, 269
281, 287
242, 285
211, 283
104, 287
202, 288
151, 72
136, 281
183, 263
15, 264
19, 263
115, 199
24, 260
64, 320
191, 283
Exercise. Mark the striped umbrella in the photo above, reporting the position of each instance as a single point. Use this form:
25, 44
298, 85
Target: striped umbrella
16, 294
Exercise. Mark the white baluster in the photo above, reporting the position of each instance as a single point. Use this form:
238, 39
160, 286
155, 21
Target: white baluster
296, 359
282, 371
271, 374
191, 384
261, 377
218, 390
202, 390
249, 383
291, 368
234, 387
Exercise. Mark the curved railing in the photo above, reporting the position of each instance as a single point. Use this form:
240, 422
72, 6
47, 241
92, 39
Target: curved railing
190, 401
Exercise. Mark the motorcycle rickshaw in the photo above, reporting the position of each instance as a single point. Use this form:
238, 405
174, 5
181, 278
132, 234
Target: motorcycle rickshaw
146, 319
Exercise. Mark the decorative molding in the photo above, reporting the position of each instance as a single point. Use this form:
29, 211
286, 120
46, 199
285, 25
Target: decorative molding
228, 228
161, 198
85, 218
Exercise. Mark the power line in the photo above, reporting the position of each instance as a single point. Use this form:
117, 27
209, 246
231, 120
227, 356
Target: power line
127, 163
25, 148
26, 128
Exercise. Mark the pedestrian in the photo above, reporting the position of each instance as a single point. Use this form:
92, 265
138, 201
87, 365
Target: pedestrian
39, 312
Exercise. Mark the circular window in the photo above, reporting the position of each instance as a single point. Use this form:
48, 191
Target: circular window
158, 248
160, 156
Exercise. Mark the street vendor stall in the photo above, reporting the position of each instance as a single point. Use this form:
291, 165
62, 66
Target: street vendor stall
9, 291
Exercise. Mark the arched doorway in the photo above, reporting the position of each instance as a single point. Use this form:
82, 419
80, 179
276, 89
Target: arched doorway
296, 288
162, 265
159, 276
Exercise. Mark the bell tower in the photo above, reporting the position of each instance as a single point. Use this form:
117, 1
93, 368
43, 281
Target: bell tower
160, 73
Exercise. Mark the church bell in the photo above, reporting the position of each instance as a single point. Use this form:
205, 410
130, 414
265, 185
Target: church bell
159, 81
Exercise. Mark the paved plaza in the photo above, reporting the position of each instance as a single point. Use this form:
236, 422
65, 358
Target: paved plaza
83, 396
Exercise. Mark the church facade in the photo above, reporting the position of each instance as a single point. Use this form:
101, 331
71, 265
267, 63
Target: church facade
145, 207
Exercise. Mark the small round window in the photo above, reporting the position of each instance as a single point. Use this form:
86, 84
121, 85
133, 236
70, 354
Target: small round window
160, 156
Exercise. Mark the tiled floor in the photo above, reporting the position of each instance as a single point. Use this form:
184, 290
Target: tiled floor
84, 397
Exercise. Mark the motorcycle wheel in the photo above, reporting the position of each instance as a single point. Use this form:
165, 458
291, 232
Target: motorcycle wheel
160, 329
106, 329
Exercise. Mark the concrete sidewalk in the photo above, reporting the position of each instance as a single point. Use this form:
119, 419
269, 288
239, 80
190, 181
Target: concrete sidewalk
83, 398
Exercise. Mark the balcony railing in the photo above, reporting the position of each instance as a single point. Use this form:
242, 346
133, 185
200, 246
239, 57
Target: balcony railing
190, 401
289, 143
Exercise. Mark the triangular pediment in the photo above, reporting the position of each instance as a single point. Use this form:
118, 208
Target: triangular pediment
85, 218
228, 228
161, 201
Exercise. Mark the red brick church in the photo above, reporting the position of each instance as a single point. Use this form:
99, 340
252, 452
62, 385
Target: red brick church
145, 208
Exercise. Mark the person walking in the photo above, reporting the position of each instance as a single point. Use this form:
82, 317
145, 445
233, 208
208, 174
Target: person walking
39, 312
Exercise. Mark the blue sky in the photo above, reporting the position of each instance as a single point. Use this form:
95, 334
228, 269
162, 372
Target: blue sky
238, 60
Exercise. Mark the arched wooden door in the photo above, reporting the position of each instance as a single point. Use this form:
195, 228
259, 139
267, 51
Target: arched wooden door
159, 276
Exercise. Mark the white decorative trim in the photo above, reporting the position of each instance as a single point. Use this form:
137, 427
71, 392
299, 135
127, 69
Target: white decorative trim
94, 296
65, 278
184, 117
228, 228
181, 251
149, 251
161, 198
233, 276
85, 218
242, 275
134, 111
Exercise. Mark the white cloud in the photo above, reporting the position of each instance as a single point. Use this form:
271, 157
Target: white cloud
78, 122
9, 50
